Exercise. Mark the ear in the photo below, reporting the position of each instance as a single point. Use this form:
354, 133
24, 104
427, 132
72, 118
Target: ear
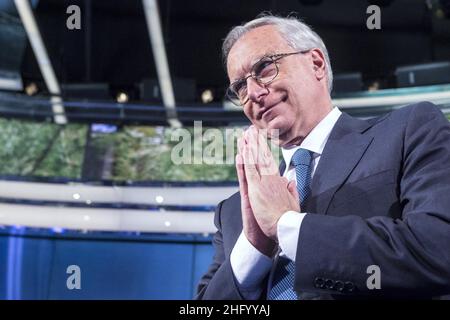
318, 60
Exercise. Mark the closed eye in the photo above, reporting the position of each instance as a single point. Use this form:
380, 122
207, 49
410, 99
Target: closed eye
262, 68
239, 86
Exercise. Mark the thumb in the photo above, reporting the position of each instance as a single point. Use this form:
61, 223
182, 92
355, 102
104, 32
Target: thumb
292, 188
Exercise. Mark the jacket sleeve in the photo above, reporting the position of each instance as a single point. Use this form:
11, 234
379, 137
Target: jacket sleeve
412, 253
218, 283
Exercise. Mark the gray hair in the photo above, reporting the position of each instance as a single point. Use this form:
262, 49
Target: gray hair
297, 34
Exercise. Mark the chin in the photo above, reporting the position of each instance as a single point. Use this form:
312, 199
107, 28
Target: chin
279, 123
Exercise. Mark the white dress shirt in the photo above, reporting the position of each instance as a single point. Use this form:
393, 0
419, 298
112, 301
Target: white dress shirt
249, 265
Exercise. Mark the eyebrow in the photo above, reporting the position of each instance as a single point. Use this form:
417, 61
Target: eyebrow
242, 71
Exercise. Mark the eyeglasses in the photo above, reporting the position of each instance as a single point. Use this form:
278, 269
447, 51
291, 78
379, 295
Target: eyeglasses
264, 72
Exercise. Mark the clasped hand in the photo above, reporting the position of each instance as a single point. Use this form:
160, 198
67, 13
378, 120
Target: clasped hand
265, 195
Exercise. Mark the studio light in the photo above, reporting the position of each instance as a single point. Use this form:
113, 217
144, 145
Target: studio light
31, 89
207, 96
122, 97
76, 196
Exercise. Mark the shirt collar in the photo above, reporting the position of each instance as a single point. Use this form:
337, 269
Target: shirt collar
315, 141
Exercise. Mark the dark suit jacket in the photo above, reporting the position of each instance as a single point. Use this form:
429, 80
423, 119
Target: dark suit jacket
380, 196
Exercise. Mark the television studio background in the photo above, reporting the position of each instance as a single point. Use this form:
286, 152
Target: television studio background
91, 204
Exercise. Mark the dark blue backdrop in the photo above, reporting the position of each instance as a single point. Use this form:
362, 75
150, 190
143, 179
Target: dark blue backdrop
33, 264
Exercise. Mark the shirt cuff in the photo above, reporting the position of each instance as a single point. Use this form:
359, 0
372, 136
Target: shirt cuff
288, 229
249, 265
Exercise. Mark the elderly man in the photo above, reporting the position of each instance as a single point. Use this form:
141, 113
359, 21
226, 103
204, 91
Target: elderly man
359, 208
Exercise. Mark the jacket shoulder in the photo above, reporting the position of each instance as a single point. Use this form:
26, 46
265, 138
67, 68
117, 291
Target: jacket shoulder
418, 112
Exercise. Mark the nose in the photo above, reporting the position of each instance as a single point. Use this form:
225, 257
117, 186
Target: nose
255, 90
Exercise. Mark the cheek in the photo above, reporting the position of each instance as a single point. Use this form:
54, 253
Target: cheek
288, 120
290, 110
249, 116
248, 113
301, 82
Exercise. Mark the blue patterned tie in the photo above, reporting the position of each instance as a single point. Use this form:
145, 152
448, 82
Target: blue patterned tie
302, 163
283, 279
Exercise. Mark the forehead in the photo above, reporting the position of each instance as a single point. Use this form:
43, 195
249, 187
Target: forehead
251, 47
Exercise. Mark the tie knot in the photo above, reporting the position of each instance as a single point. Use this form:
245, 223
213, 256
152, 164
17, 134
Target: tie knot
301, 157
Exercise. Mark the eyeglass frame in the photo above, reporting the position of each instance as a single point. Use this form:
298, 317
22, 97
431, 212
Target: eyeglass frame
274, 58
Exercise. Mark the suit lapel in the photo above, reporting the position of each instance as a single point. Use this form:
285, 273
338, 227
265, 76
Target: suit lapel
282, 167
343, 151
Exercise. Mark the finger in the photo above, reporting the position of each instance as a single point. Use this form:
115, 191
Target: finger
241, 175
262, 142
252, 142
240, 145
267, 160
293, 189
246, 209
242, 180
246, 134
250, 170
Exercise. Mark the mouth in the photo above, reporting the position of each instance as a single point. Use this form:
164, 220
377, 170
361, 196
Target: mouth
264, 113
